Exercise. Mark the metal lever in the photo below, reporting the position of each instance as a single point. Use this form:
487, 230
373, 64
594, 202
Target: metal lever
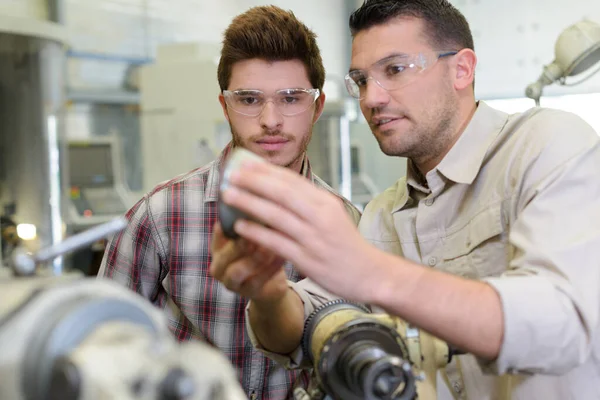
24, 263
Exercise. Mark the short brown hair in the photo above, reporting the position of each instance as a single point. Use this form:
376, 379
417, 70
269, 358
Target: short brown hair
447, 27
271, 34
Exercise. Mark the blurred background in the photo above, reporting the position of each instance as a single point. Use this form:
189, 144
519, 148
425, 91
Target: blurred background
100, 100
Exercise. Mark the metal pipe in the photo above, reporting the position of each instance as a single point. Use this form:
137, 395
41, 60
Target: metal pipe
56, 11
345, 158
80, 240
108, 57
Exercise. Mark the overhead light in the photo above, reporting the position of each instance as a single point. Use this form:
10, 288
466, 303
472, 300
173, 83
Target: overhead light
577, 49
26, 231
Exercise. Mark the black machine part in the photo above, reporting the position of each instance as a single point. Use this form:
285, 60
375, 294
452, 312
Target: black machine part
362, 359
227, 214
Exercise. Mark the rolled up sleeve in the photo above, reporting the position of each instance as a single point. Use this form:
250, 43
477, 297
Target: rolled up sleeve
551, 293
312, 296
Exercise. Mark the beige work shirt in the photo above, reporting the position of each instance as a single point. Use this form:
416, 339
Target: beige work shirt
516, 202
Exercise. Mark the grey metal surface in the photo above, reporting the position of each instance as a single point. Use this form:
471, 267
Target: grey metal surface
31, 134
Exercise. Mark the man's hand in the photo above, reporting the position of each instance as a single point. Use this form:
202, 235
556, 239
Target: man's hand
304, 224
246, 268
276, 312
309, 227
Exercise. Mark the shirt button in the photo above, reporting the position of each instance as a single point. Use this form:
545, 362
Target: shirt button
432, 261
429, 201
457, 387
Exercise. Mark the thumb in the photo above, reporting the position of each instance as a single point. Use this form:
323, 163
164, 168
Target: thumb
218, 238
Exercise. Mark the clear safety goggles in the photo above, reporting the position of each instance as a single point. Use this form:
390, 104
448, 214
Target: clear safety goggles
392, 73
288, 102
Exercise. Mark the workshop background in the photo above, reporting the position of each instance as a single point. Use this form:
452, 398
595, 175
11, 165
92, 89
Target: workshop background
100, 100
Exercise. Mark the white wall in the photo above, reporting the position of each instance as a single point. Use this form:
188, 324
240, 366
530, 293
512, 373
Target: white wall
513, 38
133, 29
36, 9
584, 105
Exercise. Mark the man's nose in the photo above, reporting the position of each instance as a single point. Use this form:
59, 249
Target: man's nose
374, 95
270, 117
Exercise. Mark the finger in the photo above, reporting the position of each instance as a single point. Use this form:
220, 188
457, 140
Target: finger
268, 213
218, 238
281, 186
266, 257
244, 270
246, 246
278, 243
222, 258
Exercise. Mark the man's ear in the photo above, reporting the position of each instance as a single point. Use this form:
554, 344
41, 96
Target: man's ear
224, 106
465, 64
319, 106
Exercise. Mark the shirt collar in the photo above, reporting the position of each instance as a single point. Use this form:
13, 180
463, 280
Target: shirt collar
214, 175
464, 160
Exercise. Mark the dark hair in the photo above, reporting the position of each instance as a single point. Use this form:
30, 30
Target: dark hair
272, 34
446, 27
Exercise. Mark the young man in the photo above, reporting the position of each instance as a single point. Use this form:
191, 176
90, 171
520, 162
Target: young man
271, 76
492, 240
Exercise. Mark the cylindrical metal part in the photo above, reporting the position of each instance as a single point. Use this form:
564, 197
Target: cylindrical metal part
31, 134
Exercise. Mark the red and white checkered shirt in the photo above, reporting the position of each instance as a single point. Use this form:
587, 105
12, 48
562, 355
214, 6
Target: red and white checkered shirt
164, 254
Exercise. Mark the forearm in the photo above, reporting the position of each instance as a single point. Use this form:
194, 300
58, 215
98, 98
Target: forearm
465, 313
278, 326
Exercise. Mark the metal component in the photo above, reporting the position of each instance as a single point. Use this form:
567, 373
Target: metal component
65, 329
56, 11
80, 240
356, 356
84, 339
345, 158
318, 314
32, 81
229, 215
65, 382
360, 355
177, 385
24, 264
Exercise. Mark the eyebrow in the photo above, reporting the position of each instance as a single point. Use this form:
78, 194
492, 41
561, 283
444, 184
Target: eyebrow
384, 59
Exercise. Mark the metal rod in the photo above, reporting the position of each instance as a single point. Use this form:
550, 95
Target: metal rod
345, 158
80, 240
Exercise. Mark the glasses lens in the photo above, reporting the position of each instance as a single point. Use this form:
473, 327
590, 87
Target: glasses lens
288, 101
355, 82
390, 74
294, 101
397, 72
247, 102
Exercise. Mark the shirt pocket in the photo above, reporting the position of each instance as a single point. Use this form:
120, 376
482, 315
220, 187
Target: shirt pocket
479, 248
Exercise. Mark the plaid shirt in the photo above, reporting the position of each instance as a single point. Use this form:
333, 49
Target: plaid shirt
164, 254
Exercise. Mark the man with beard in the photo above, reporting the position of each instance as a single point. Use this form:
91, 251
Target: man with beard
271, 77
491, 242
